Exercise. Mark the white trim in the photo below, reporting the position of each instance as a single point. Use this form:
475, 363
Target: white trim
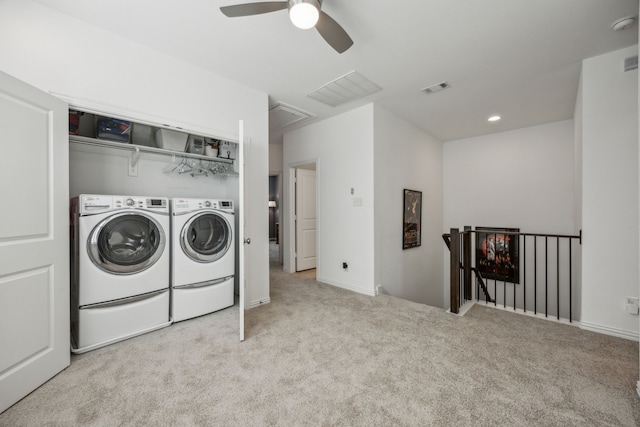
529, 313
369, 292
280, 176
607, 330
291, 224
464, 309
257, 303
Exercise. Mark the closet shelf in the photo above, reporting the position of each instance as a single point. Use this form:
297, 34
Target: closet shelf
76, 139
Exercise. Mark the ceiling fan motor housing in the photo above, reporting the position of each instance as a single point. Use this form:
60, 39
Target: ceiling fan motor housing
316, 3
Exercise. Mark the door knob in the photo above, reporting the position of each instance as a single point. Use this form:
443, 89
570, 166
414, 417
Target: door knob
247, 241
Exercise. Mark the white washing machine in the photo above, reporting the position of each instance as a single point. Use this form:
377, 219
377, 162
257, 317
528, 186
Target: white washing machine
202, 256
120, 268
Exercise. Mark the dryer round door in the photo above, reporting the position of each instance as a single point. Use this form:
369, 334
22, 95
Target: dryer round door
206, 237
126, 243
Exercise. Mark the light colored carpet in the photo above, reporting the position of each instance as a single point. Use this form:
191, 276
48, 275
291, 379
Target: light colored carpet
319, 355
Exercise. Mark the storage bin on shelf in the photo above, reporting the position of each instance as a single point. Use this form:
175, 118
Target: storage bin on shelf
171, 139
227, 150
112, 129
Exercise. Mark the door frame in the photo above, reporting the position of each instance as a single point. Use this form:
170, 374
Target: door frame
280, 207
291, 210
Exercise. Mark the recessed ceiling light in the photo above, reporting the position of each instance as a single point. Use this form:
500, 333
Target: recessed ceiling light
494, 118
623, 23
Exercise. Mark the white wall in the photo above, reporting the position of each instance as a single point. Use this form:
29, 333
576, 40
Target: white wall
104, 171
521, 178
609, 192
275, 158
406, 157
342, 146
638, 383
577, 186
62, 55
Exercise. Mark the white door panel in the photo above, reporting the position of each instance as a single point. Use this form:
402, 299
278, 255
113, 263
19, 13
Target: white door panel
34, 239
242, 224
305, 219
308, 244
25, 147
26, 302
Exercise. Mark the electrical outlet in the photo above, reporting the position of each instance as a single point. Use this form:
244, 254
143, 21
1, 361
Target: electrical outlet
631, 305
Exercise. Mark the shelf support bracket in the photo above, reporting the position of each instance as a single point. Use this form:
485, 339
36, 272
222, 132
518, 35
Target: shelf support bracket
133, 162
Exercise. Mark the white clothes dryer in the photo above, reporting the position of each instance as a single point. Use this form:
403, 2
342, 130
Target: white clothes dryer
203, 256
120, 268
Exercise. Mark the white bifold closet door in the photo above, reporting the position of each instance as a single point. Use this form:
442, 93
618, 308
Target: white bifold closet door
34, 238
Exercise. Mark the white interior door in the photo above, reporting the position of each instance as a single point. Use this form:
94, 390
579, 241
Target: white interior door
242, 240
34, 239
305, 219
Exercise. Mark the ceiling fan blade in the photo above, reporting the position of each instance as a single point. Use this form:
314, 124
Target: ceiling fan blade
333, 33
247, 9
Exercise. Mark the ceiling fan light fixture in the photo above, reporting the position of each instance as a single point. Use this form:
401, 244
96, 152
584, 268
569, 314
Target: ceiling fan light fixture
304, 14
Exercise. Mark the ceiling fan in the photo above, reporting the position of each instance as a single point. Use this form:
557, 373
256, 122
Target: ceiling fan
303, 13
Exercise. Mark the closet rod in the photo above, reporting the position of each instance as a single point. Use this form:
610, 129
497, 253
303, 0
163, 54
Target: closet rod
132, 147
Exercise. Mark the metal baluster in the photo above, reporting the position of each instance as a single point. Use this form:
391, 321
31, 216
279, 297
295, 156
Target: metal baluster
517, 236
524, 273
535, 274
546, 276
558, 276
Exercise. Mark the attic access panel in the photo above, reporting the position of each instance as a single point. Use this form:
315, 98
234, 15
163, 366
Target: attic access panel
283, 115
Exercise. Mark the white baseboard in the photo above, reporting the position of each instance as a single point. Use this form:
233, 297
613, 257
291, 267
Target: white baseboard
369, 292
463, 309
607, 330
253, 304
529, 313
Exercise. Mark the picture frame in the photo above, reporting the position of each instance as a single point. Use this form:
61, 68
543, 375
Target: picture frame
412, 219
498, 253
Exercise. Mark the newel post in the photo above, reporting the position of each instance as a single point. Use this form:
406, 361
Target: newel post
454, 265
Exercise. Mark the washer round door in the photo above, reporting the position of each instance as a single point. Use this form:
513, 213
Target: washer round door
126, 243
206, 237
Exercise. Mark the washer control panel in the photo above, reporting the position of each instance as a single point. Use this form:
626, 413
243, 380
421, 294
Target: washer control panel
92, 203
189, 205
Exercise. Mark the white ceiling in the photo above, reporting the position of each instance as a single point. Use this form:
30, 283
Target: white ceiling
517, 58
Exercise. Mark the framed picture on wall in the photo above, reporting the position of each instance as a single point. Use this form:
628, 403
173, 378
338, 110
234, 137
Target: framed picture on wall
411, 224
497, 253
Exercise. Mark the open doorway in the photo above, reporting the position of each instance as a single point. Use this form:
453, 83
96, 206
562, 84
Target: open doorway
305, 218
275, 251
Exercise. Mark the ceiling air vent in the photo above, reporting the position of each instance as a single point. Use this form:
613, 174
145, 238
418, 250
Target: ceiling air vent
282, 115
631, 63
344, 89
436, 88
